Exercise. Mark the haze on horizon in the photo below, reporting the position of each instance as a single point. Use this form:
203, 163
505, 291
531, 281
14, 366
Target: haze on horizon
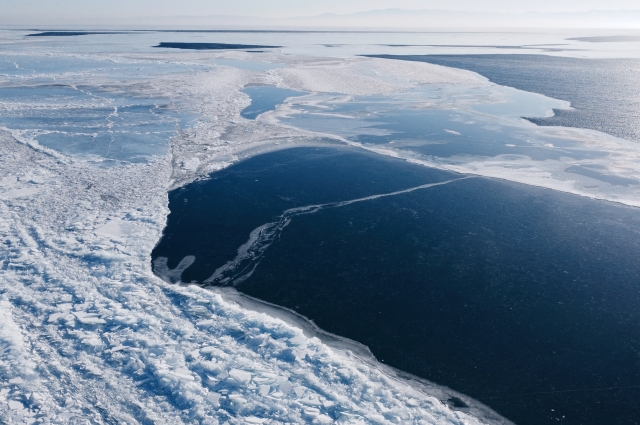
281, 12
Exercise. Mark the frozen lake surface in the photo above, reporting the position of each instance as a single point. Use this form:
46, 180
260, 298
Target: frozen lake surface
98, 129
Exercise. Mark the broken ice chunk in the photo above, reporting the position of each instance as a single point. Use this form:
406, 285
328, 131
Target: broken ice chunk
184, 374
311, 411
214, 398
55, 316
311, 400
344, 372
88, 318
413, 402
264, 390
117, 348
241, 376
237, 398
256, 341
285, 387
92, 341
15, 405
297, 340
287, 355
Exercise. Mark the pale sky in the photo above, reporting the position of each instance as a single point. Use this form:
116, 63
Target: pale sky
79, 9
40, 13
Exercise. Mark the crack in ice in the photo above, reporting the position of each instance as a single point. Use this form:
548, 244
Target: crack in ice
260, 239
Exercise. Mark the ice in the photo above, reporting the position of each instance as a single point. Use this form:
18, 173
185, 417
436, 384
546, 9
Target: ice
240, 376
214, 398
264, 390
101, 312
369, 76
285, 387
117, 229
88, 318
89, 333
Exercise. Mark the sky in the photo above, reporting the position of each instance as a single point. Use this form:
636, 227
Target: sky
131, 12
282, 8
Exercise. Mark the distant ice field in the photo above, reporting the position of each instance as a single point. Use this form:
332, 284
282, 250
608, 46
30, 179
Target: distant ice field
97, 129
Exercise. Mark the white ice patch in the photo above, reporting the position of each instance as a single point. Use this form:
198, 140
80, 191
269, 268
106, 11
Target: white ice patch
117, 229
366, 76
21, 184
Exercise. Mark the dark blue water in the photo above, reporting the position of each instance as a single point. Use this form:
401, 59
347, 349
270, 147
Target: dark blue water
211, 46
68, 33
604, 92
523, 298
265, 98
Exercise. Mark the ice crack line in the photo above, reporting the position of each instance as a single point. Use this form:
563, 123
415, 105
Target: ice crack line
250, 253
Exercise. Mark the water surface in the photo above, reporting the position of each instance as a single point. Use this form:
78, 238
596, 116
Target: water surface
521, 297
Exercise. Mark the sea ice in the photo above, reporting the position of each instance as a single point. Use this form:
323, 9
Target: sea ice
89, 333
